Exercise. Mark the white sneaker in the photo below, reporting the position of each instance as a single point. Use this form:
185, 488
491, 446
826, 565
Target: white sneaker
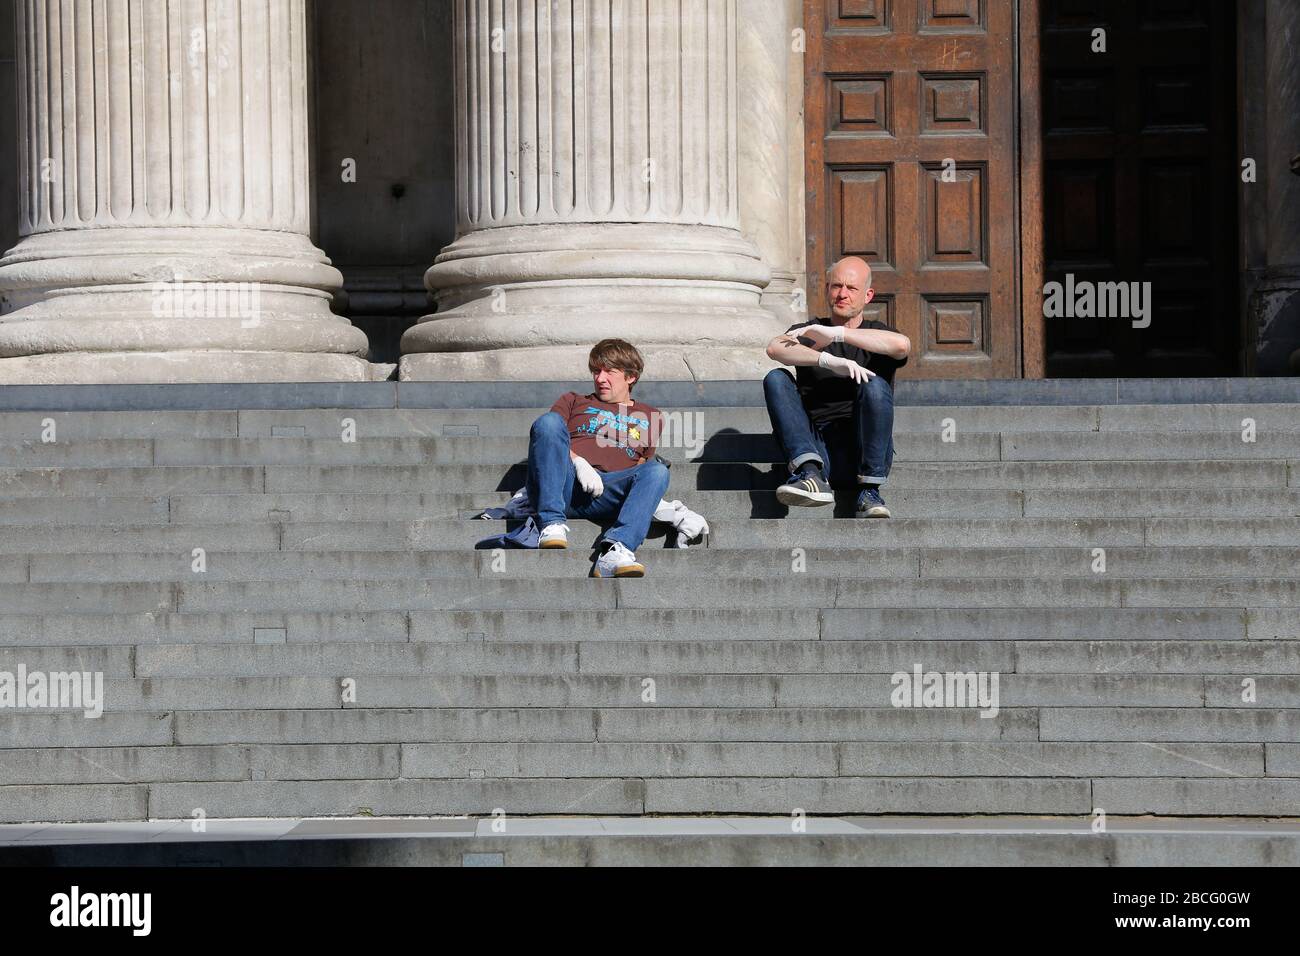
554, 536
617, 562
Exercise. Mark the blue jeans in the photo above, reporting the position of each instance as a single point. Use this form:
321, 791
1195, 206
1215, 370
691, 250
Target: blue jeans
861, 446
630, 497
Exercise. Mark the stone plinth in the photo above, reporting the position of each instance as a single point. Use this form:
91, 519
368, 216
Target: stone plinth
165, 200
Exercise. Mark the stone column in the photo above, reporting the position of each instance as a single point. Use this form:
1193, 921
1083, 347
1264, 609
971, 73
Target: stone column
770, 127
597, 196
165, 199
1274, 140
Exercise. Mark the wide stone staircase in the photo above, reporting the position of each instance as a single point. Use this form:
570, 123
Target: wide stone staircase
291, 619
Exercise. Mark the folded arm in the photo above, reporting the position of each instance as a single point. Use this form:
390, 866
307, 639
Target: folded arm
882, 342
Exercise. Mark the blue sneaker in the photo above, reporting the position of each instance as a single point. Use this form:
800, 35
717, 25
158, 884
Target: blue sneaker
805, 487
871, 505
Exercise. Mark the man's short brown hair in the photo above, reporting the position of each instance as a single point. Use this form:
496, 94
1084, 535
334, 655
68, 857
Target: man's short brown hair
616, 354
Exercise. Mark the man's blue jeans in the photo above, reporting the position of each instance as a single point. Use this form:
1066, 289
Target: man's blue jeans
860, 447
630, 497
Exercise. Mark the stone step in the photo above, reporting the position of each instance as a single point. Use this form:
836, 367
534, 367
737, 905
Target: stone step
17, 427
78, 426
734, 447
705, 656
642, 656
521, 725
812, 759
1160, 503
981, 502
1183, 796
401, 625
190, 452
462, 535
1109, 477
662, 592
901, 564
647, 656
915, 502
186, 507
684, 626
762, 533
74, 766
961, 476
750, 534
1148, 725
512, 690
143, 764
632, 796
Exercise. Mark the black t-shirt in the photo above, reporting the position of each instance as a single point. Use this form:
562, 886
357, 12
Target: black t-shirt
828, 396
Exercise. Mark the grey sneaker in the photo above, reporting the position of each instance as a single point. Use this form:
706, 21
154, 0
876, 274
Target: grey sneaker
871, 505
805, 488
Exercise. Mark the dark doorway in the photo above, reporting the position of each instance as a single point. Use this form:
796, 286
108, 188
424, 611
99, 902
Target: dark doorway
1140, 182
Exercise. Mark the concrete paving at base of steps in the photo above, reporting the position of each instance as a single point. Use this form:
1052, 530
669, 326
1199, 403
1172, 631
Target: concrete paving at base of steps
1270, 797
293, 829
819, 845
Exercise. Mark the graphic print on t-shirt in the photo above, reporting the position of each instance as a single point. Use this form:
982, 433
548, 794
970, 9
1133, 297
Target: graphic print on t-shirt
611, 437
628, 433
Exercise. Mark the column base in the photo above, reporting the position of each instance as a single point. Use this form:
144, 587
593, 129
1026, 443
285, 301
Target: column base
567, 363
1275, 312
171, 368
573, 284
190, 298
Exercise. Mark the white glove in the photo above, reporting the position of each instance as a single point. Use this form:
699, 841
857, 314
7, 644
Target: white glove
588, 477
822, 336
690, 526
845, 368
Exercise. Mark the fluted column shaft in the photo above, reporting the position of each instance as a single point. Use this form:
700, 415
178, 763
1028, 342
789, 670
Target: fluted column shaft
597, 191
771, 131
164, 176
1275, 299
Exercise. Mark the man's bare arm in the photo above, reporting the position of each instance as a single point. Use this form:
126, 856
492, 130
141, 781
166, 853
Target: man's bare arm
787, 350
892, 344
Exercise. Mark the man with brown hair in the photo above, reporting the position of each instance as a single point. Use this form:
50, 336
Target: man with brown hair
593, 456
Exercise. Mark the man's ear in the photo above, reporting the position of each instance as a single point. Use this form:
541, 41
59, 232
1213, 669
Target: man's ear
870, 294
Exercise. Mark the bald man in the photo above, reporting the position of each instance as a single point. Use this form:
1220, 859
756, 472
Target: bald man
832, 407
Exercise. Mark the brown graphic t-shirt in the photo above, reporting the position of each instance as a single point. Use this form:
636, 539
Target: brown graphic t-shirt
611, 437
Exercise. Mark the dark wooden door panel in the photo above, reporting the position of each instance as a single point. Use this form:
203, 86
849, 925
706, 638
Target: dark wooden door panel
910, 109
1140, 181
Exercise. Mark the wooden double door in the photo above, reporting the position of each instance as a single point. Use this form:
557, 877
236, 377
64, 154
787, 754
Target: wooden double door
972, 150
